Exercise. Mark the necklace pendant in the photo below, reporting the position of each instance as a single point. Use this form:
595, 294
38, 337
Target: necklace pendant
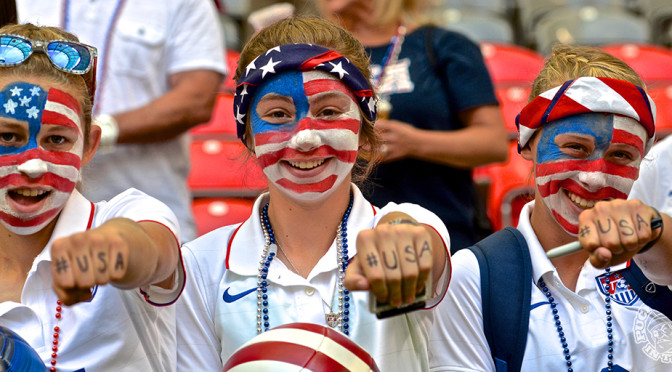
332, 319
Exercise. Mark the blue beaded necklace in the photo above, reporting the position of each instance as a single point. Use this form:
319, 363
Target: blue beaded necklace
561, 333
270, 251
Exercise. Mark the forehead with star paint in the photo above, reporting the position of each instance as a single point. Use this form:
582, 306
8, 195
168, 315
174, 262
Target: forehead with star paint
299, 57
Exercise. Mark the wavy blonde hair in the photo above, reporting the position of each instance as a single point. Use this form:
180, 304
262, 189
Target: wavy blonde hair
568, 62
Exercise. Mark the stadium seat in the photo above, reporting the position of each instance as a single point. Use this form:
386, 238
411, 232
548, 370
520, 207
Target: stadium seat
511, 64
512, 99
662, 96
223, 168
228, 84
589, 25
659, 15
212, 213
222, 124
479, 26
651, 62
510, 187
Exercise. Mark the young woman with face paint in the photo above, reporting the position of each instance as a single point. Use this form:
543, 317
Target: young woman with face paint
587, 128
81, 282
314, 249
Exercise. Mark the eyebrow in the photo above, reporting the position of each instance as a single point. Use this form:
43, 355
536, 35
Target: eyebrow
279, 96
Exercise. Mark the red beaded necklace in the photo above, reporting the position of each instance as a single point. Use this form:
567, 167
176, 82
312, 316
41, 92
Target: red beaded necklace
57, 331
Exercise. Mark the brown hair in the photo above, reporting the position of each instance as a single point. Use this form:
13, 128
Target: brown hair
570, 62
320, 32
39, 65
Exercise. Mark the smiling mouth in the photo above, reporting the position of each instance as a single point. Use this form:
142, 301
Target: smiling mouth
305, 165
581, 202
28, 196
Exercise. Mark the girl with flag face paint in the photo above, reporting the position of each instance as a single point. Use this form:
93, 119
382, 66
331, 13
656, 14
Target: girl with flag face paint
314, 250
71, 266
587, 129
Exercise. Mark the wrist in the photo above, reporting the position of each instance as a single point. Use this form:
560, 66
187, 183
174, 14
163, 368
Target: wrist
109, 131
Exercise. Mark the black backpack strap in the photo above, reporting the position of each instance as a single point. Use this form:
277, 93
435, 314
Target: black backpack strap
656, 296
506, 285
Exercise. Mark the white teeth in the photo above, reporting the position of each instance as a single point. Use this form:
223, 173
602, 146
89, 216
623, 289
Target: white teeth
583, 203
29, 192
306, 164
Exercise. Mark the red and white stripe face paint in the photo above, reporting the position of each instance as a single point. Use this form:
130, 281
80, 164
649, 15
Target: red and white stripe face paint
586, 158
41, 149
306, 132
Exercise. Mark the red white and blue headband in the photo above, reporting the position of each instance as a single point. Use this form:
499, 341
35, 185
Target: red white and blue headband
301, 57
585, 95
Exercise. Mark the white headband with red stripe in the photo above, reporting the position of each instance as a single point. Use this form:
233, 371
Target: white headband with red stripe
584, 95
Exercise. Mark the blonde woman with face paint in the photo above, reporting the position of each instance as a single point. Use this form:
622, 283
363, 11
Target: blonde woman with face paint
314, 249
606, 307
82, 283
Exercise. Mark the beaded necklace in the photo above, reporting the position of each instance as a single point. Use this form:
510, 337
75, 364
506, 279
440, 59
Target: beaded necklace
390, 58
561, 333
342, 319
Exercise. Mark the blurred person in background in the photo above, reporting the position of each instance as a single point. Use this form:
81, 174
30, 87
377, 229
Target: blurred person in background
160, 68
438, 113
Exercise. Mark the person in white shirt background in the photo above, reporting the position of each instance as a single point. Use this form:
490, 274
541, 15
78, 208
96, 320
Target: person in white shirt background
314, 249
84, 284
587, 127
160, 68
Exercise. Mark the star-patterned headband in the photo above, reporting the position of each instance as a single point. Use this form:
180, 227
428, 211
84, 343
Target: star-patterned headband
583, 95
301, 57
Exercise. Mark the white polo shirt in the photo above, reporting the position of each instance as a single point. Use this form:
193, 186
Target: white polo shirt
642, 336
217, 311
654, 184
118, 330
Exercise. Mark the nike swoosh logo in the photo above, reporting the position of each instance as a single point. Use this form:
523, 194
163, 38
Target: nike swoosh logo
229, 298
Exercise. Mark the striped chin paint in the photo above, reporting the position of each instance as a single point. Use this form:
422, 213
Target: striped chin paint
38, 172
306, 132
586, 158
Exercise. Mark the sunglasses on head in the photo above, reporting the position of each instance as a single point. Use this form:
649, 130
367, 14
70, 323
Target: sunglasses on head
66, 55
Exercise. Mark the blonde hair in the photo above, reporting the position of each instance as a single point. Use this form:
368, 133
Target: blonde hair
568, 62
309, 30
39, 65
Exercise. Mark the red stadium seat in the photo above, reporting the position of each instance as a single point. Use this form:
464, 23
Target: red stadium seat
651, 62
229, 85
662, 96
508, 63
222, 123
510, 187
212, 213
223, 168
512, 99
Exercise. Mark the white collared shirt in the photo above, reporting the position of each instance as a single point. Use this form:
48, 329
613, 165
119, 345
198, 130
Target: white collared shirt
642, 336
118, 330
219, 304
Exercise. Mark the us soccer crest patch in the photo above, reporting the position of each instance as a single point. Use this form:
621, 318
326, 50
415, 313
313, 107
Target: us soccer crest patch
619, 290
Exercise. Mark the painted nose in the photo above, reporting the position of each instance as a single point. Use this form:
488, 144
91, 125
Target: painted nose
305, 140
33, 168
594, 180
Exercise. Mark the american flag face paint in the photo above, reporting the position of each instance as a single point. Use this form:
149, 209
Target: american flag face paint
586, 158
41, 150
306, 132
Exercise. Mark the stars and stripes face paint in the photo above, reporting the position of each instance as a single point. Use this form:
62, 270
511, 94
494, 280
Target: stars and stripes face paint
586, 158
306, 132
41, 150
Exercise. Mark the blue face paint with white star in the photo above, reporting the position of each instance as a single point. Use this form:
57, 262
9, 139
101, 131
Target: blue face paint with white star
288, 84
598, 126
23, 102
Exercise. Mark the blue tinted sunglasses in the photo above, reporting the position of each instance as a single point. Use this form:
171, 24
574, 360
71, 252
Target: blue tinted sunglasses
67, 56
